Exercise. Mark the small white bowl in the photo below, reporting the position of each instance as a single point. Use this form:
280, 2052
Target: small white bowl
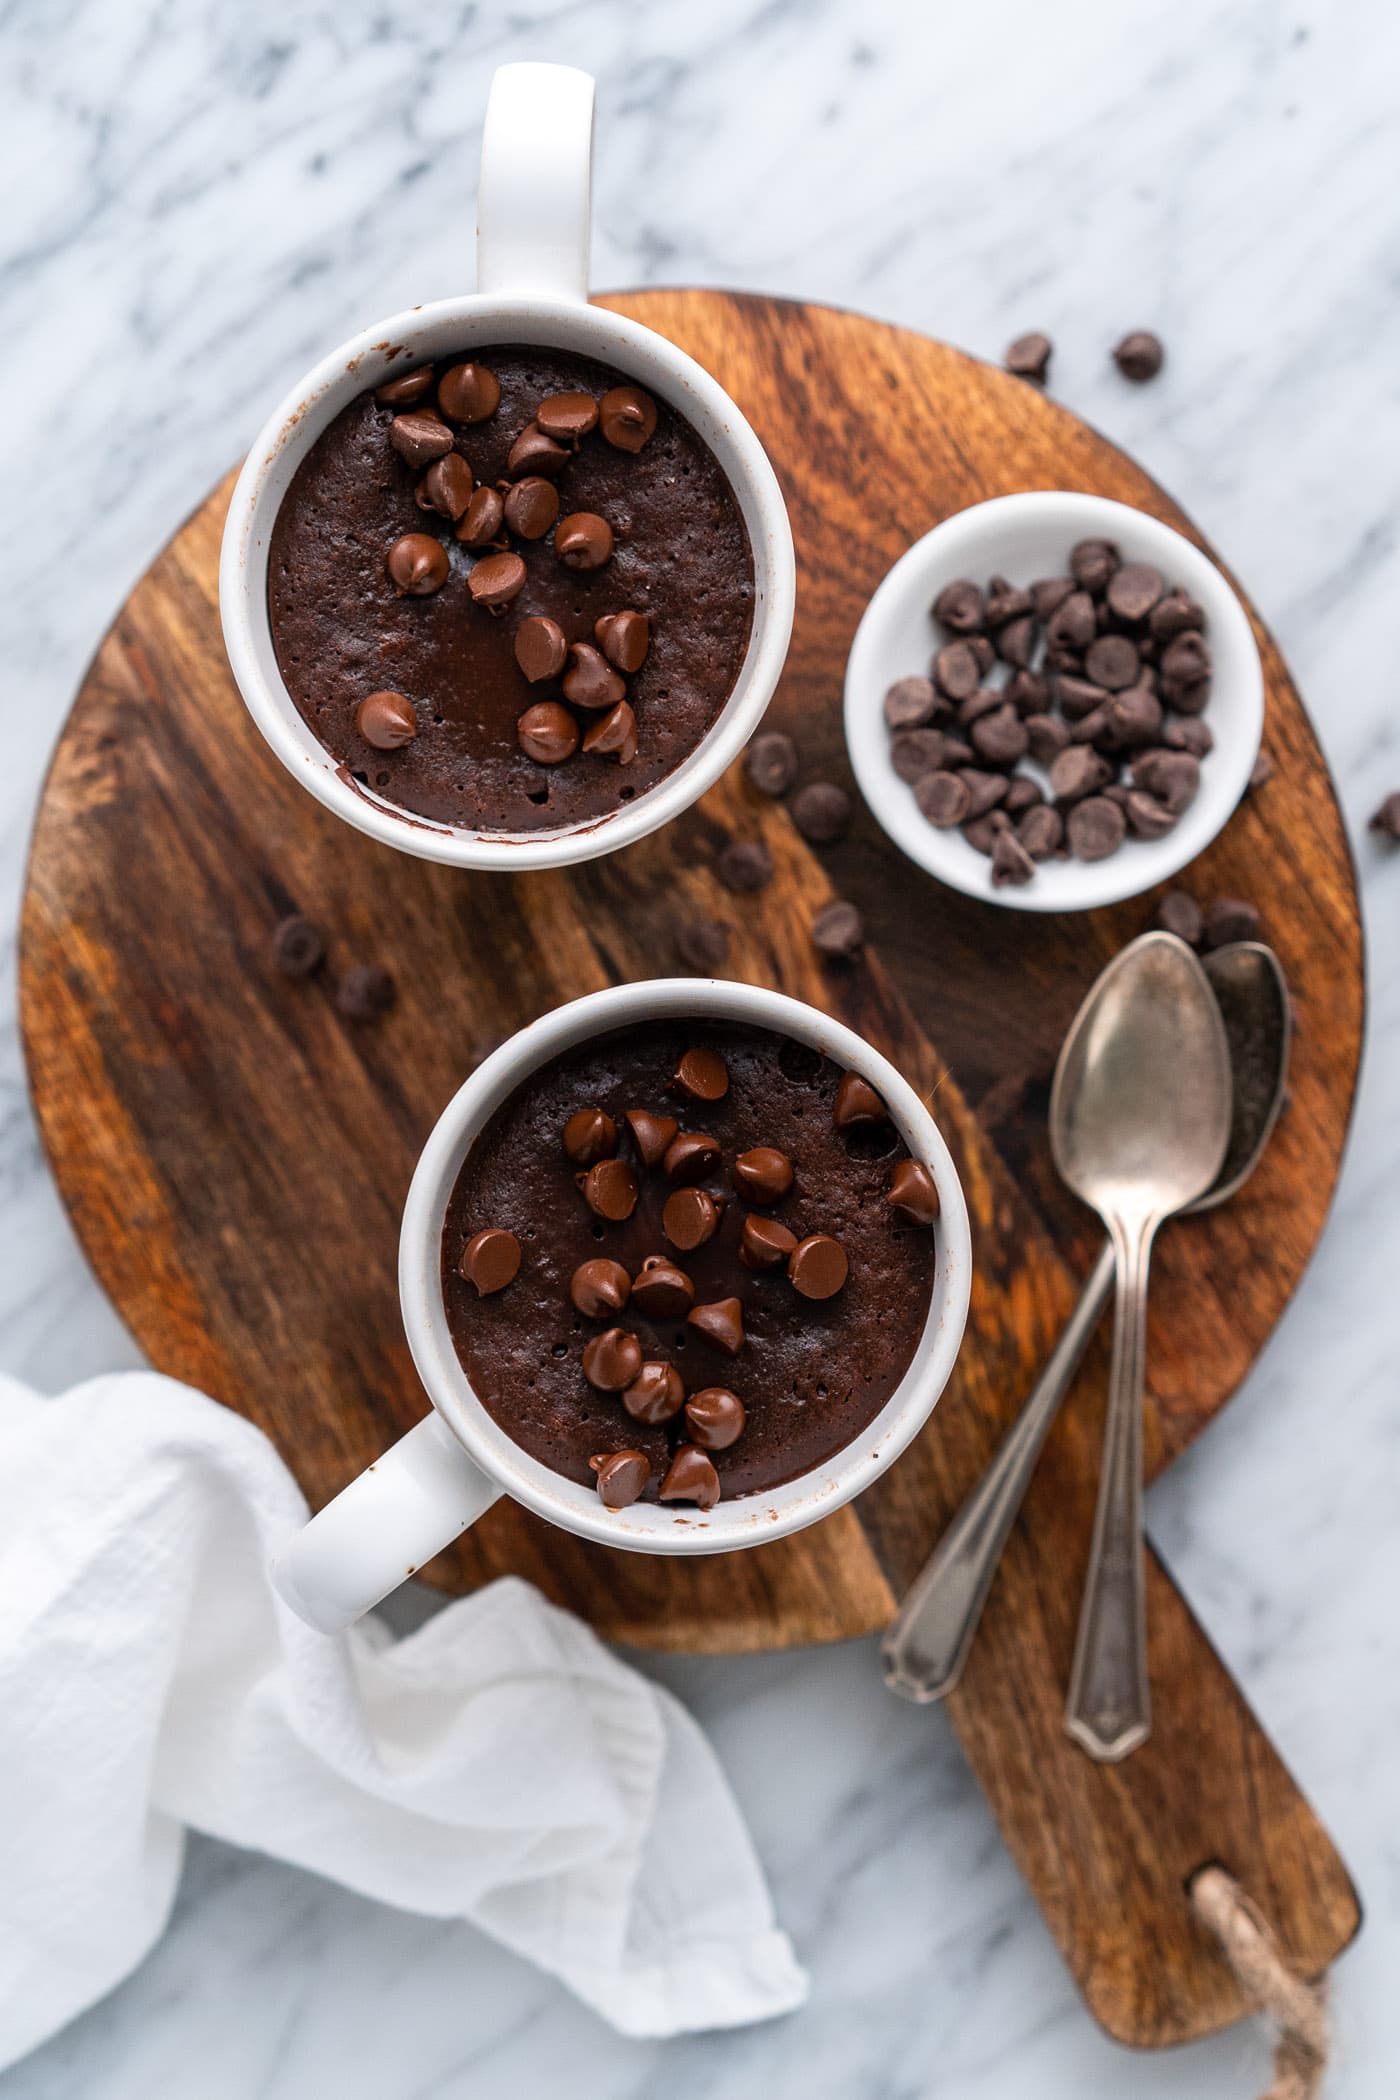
1024, 538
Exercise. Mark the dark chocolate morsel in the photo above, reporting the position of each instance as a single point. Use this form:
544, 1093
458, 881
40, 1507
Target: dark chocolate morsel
703, 944
365, 992
484, 518
818, 1266
1179, 913
599, 1288
490, 1260
610, 1189
661, 1290
540, 648
822, 812
531, 507
496, 579
627, 417
590, 680
944, 798
765, 1244
406, 389
655, 1394
1386, 819
1133, 590
1072, 625
612, 1360
689, 1217
1174, 777
1077, 772
624, 638
298, 948
1010, 860
583, 540
1092, 562
956, 671
567, 417
1049, 595
419, 437
1000, 736
534, 453
857, 1102
691, 1477
547, 733
910, 703
469, 393
1029, 356
958, 606
745, 865
651, 1134
589, 1135
1147, 817
1230, 919
1048, 737
715, 1417
1139, 355
1112, 662
690, 1157
446, 487
1095, 828
721, 1322
417, 564
621, 1477
1041, 831
764, 1174
913, 1192
771, 762
838, 930
388, 721
702, 1074
613, 735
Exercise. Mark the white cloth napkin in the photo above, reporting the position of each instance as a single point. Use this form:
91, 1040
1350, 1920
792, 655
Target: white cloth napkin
498, 1765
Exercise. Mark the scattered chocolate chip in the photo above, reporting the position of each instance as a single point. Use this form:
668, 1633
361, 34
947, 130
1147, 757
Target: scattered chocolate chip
985, 701
446, 487
1010, 860
721, 1322
1022, 794
944, 798
406, 389
1041, 831
490, 1260
540, 648
818, 1266
590, 1135
419, 437
715, 1417
1179, 913
1049, 595
1185, 664
856, 1102
590, 680
1176, 613
689, 1218
1092, 562
388, 721
1047, 737
763, 1174
1027, 692
1172, 776
651, 1134
955, 670
702, 1075
915, 752
703, 944
910, 702
567, 417
1139, 355
627, 417
531, 507
583, 540
691, 1477
365, 992
1133, 590
982, 832
913, 1192
1112, 662
622, 1475
495, 580
661, 1290
1386, 819
1072, 625
690, 1157
1029, 356
599, 1288
1078, 772
655, 1394
610, 1189
985, 790
822, 812
614, 735
534, 453
771, 762
1000, 736
298, 949
1260, 773
624, 638
1230, 919
1016, 642
1191, 734
958, 606
417, 564
483, 520
838, 930
612, 1360
469, 393
547, 733
1095, 828
745, 865
765, 1244
1005, 603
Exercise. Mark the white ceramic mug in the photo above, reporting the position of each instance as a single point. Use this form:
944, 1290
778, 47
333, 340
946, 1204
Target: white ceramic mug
533, 215
436, 1481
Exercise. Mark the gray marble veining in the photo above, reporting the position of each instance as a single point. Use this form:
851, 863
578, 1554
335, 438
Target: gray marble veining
200, 199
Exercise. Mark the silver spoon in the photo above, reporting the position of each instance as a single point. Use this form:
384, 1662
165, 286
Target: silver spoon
931, 1635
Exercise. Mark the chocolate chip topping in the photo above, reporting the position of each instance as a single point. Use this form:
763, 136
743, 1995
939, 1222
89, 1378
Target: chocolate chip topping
483, 520
490, 1260
614, 735
583, 540
624, 638
531, 507
627, 417
913, 1192
721, 1322
661, 1290
691, 1477
469, 393
702, 1075
610, 1189
540, 648
689, 1218
1139, 355
621, 1477
298, 947
366, 992
765, 1244
496, 580
822, 812
651, 1134
715, 1417
567, 417
1029, 356
589, 1135
690, 1157
655, 1394
599, 1287
446, 487
818, 1266
417, 564
771, 762
857, 1102
419, 437
386, 720
590, 680
534, 453
612, 1360
764, 1174
406, 389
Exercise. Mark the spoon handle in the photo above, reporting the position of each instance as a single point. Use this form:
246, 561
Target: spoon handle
1107, 1711
928, 1639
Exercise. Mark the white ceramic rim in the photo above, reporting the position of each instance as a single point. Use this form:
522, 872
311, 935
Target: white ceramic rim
896, 629
653, 1527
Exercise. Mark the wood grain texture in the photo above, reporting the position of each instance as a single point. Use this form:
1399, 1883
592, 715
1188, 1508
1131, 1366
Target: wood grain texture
235, 1154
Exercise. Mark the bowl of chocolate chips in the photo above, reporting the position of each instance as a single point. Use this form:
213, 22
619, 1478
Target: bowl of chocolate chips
1053, 701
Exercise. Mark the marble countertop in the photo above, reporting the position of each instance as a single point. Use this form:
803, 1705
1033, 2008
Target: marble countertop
202, 199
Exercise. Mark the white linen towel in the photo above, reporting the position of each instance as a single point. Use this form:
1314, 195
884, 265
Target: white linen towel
497, 1765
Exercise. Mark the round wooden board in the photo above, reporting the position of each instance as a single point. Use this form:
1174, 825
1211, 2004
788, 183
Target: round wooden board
234, 1153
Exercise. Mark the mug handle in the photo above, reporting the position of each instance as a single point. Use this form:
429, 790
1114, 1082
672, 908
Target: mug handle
417, 1498
534, 201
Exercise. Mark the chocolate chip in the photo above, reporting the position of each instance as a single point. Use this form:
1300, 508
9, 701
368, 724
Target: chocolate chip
388, 721
1016, 642
1175, 614
764, 1174
1133, 590
1095, 828
583, 540
496, 579
446, 487
1092, 562
715, 1417
1078, 772
417, 564
1072, 625
567, 417
1041, 831
1172, 776
1260, 773
621, 1477
955, 670
745, 865
1230, 919
1191, 735
1010, 860
1022, 794
599, 1288
690, 1157
624, 638
818, 1266
838, 930
944, 798
655, 1394
703, 944
1112, 662
590, 680
910, 702
531, 507
701, 1075
610, 1189
534, 453
958, 606
1000, 736
982, 832
1078, 698
661, 1290
985, 701
856, 1102
1133, 718
490, 1260
1049, 595
469, 393
691, 1477
366, 992
614, 735
590, 1135
984, 651
1386, 819
956, 753
483, 520
913, 1192
822, 812
1139, 355
985, 790
1005, 603
651, 1134
406, 389
689, 1218
1147, 817
721, 1322
547, 733
765, 1244
915, 752
420, 437
612, 1360
540, 648
1047, 736
1185, 673
298, 949
1179, 913
771, 762
1029, 356
627, 417
1027, 692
